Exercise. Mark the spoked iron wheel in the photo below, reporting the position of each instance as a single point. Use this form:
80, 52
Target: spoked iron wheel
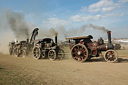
18, 53
37, 53
111, 56
14, 51
79, 53
60, 54
24, 53
52, 54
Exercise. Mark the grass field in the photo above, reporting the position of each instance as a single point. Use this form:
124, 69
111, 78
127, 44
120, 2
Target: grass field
29, 71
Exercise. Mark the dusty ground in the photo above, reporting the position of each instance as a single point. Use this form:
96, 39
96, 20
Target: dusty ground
29, 71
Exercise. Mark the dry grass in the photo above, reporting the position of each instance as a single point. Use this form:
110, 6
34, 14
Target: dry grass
28, 71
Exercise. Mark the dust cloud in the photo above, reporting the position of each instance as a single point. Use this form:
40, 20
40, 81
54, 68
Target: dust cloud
4, 41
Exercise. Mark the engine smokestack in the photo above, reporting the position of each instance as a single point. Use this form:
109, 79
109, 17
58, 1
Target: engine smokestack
56, 39
109, 37
27, 40
110, 45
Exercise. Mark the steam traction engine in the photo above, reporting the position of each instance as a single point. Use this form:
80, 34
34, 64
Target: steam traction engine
47, 48
17, 49
23, 48
11, 47
84, 49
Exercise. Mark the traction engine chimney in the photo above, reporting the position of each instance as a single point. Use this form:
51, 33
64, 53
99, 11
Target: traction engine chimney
56, 39
110, 45
109, 37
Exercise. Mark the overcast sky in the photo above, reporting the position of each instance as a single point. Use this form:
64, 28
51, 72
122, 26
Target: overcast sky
73, 14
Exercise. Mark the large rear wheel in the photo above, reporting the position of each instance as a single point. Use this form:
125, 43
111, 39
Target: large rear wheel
37, 52
79, 52
18, 53
24, 53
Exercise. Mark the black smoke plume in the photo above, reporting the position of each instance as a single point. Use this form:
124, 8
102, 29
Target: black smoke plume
17, 23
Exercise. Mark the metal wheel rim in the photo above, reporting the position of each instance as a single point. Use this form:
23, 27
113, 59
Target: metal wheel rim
111, 56
83, 53
17, 53
24, 54
52, 55
36, 53
14, 52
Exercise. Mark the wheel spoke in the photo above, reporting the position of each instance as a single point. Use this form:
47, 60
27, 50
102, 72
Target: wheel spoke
52, 54
36, 53
79, 52
110, 56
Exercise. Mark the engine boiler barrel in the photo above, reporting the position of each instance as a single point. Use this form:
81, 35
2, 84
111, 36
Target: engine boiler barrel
105, 47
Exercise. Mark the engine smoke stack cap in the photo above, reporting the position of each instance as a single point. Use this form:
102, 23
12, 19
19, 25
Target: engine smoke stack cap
109, 32
109, 37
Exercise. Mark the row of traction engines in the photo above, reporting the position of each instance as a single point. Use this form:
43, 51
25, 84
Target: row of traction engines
83, 49
41, 48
